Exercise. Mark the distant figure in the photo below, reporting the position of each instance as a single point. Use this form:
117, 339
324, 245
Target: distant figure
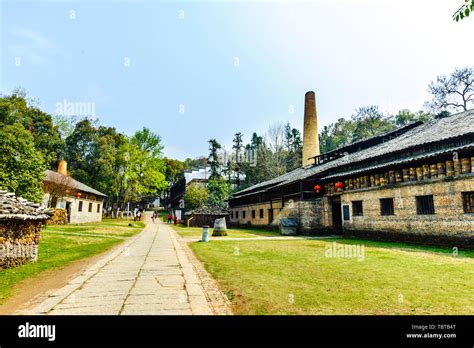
175, 220
139, 216
169, 218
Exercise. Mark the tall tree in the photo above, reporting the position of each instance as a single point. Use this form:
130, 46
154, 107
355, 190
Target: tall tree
369, 121
336, 135
195, 196
18, 108
174, 170
213, 158
81, 149
22, 166
238, 147
453, 93
219, 191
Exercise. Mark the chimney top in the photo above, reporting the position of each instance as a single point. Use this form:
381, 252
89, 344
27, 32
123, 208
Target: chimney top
310, 129
62, 167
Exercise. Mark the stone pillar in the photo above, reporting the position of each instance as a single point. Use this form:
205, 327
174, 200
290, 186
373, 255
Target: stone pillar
310, 129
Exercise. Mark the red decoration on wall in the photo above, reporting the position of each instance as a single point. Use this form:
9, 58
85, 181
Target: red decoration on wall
317, 188
78, 195
339, 186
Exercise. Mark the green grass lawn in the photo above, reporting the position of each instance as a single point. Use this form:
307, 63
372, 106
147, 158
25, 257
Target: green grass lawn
112, 227
196, 232
296, 277
61, 245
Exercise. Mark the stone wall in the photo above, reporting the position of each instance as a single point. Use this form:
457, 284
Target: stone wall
448, 225
313, 216
84, 215
19, 241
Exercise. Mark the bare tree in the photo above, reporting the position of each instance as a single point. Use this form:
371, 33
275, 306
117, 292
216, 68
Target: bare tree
58, 188
273, 154
454, 93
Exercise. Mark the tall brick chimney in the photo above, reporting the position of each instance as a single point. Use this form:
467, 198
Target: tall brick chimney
62, 167
310, 129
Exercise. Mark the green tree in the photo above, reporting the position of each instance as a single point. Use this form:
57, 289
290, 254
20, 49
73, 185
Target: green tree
219, 191
174, 170
238, 148
336, 135
22, 166
17, 108
195, 196
464, 11
198, 162
213, 158
81, 150
405, 117
145, 175
369, 121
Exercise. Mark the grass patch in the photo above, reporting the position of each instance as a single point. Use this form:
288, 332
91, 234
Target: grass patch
196, 232
61, 245
295, 277
113, 227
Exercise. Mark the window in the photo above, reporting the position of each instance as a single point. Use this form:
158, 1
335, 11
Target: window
357, 209
232, 214
243, 214
98, 208
386, 207
468, 202
345, 213
80, 206
261, 213
425, 205
236, 214
90, 207
253, 214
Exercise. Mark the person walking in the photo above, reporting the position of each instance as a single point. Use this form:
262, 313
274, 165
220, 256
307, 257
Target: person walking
169, 218
175, 220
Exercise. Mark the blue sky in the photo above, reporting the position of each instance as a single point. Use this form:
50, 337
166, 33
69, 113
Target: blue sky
200, 70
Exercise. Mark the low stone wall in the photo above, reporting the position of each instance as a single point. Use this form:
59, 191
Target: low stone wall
19, 241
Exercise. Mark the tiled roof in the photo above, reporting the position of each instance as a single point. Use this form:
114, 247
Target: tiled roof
55, 177
12, 207
430, 132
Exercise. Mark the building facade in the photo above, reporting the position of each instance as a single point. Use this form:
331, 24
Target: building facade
415, 183
82, 202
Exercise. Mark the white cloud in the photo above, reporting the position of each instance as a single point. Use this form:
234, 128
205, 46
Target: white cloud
31, 46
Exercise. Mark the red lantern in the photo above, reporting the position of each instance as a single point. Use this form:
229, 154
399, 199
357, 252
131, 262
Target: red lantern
317, 188
78, 195
339, 186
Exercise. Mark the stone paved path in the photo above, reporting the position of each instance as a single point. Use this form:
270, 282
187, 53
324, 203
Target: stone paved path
149, 274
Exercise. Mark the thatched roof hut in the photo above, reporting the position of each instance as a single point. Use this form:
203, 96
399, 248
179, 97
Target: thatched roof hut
205, 216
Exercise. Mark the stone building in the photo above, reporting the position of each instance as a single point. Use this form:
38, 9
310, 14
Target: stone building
415, 183
82, 202
20, 226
